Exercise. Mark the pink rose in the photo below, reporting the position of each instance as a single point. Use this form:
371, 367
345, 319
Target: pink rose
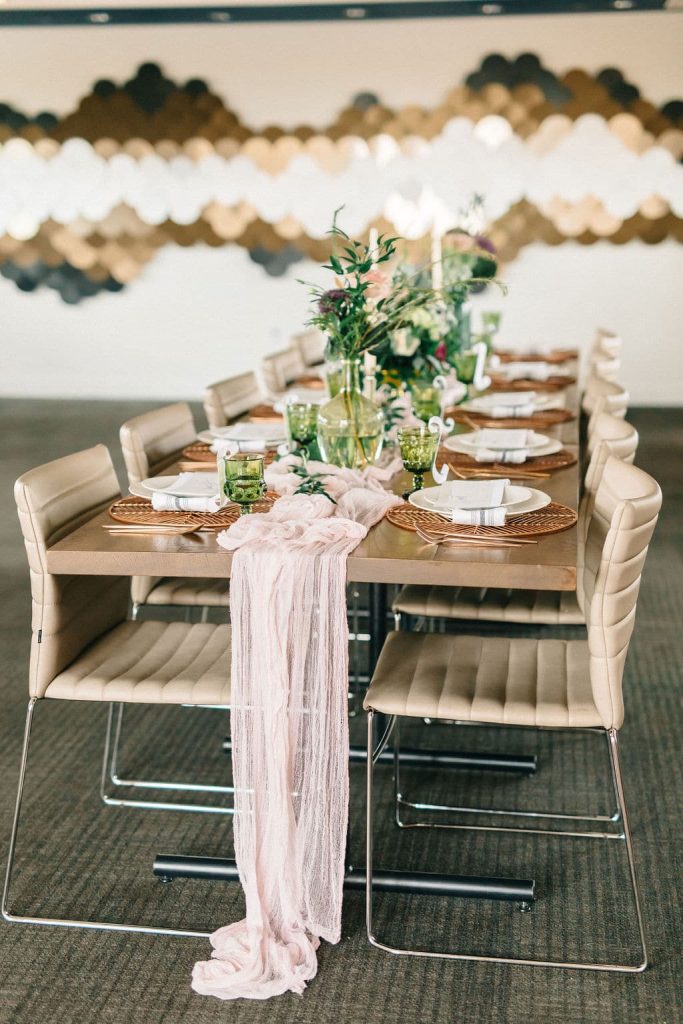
440, 352
380, 285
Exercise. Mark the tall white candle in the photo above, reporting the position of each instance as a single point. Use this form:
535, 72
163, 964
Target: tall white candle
437, 265
369, 364
372, 241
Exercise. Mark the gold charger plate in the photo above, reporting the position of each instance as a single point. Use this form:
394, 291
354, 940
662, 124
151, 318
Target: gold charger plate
552, 519
139, 512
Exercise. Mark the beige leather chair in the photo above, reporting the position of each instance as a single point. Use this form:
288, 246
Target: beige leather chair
82, 647
551, 684
280, 369
615, 398
607, 343
230, 398
611, 436
152, 441
311, 345
150, 444
605, 367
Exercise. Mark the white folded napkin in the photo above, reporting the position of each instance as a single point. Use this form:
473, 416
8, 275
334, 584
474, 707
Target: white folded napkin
526, 371
511, 412
223, 446
308, 396
186, 485
506, 398
252, 432
465, 495
493, 437
479, 517
170, 503
515, 457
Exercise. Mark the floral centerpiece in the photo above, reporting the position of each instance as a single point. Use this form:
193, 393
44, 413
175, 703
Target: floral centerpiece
436, 334
359, 314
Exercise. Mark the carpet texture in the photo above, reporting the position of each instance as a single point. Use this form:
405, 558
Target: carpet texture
79, 858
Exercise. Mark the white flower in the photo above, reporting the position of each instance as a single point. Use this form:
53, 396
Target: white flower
403, 343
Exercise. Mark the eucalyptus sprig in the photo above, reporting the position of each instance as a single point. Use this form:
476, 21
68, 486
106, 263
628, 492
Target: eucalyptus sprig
311, 483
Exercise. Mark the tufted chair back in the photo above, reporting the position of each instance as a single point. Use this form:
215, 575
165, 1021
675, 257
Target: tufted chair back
68, 612
623, 519
230, 398
153, 441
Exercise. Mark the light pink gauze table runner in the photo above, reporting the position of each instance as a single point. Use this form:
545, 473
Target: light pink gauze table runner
289, 725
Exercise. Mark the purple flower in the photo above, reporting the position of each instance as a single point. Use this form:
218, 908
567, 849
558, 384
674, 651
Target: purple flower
331, 300
486, 244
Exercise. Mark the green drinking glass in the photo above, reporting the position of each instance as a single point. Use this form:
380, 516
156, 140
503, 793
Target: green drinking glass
426, 399
465, 364
302, 427
490, 322
243, 479
334, 375
418, 448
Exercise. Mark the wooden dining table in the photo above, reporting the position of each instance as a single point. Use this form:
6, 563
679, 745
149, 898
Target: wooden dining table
387, 555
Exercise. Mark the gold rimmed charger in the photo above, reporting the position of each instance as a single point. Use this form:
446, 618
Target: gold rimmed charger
139, 511
557, 356
552, 519
541, 464
499, 382
200, 452
542, 418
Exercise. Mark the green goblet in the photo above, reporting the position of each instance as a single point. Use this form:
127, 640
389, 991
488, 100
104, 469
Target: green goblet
426, 399
334, 375
243, 480
465, 364
302, 427
418, 447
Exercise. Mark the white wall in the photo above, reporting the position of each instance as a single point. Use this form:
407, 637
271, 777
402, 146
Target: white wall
200, 314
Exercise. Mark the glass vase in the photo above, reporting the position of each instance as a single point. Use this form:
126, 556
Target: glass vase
350, 426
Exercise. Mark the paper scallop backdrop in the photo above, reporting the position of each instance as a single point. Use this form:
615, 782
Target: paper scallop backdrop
87, 199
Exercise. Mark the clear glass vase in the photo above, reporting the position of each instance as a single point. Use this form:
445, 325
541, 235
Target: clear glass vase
350, 426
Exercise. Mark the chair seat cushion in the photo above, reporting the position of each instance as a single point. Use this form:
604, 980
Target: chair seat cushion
484, 679
151, 663
488, 604
178, 590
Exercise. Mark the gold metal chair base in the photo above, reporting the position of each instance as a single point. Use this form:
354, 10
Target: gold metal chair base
401, 801
480, 958
110, 778
13, 917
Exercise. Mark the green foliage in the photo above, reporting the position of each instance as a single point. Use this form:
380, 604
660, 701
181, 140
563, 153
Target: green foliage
311, 483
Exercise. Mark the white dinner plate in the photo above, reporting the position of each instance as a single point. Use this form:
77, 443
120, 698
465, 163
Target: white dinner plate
146, 488
536, 500
304, 396
488, 402
455, 444
474, 440
272, 437
428, 496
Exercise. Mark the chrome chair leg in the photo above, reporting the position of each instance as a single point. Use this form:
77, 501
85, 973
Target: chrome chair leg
12, 917
110, 778
400, 801
479, 958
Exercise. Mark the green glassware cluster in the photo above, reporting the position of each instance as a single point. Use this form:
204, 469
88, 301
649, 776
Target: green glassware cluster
418, 446
242, 479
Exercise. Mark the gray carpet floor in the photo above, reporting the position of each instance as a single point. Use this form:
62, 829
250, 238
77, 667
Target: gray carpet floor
78, 858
